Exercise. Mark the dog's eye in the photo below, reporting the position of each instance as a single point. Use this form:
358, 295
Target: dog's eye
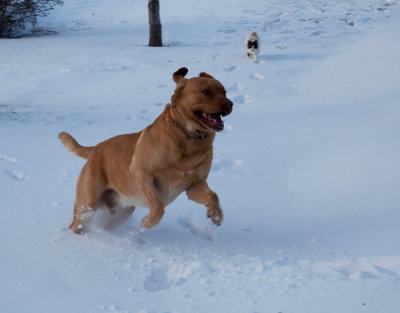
206, 92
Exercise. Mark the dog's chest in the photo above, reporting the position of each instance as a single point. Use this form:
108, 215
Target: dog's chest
171, 182
173, 179
175, 176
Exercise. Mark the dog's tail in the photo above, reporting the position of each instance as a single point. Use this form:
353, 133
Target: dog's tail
73, 146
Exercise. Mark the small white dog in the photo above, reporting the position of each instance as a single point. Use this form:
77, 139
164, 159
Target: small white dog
252, 46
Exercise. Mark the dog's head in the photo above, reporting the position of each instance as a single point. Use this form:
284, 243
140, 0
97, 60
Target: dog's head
200, 102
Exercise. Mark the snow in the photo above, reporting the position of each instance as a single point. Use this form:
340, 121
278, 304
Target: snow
306, 169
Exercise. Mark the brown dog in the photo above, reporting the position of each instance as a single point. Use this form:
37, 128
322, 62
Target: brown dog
152, 167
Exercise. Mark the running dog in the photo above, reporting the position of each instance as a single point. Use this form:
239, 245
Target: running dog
153, 167
252, 46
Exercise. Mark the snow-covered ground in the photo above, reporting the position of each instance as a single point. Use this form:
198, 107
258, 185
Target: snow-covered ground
307, 169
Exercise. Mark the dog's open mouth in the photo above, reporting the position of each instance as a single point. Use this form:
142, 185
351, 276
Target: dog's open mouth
212, 120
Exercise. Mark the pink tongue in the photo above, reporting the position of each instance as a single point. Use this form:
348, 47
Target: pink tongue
215, 120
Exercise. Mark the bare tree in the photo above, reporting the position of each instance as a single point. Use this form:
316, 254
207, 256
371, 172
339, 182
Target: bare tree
155, 24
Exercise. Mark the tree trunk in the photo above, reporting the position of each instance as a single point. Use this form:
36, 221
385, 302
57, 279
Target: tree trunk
155, 24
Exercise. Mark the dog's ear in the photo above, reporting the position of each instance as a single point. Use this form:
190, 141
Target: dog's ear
202, 74
179, 75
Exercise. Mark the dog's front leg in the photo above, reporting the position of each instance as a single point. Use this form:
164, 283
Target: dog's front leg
201, 193
145, 183
255, 58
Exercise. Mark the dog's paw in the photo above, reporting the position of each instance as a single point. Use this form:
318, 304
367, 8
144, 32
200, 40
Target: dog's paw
215, 213
147, 223
77, 229
151, 220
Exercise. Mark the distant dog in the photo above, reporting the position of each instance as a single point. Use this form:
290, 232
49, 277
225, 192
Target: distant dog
152, 167
252, 46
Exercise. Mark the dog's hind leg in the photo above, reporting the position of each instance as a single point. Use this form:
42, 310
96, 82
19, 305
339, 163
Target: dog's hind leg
109, 199
90, 186
120, 217
118, 213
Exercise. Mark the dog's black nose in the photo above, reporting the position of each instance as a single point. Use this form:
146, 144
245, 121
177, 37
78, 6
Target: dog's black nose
227, 105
